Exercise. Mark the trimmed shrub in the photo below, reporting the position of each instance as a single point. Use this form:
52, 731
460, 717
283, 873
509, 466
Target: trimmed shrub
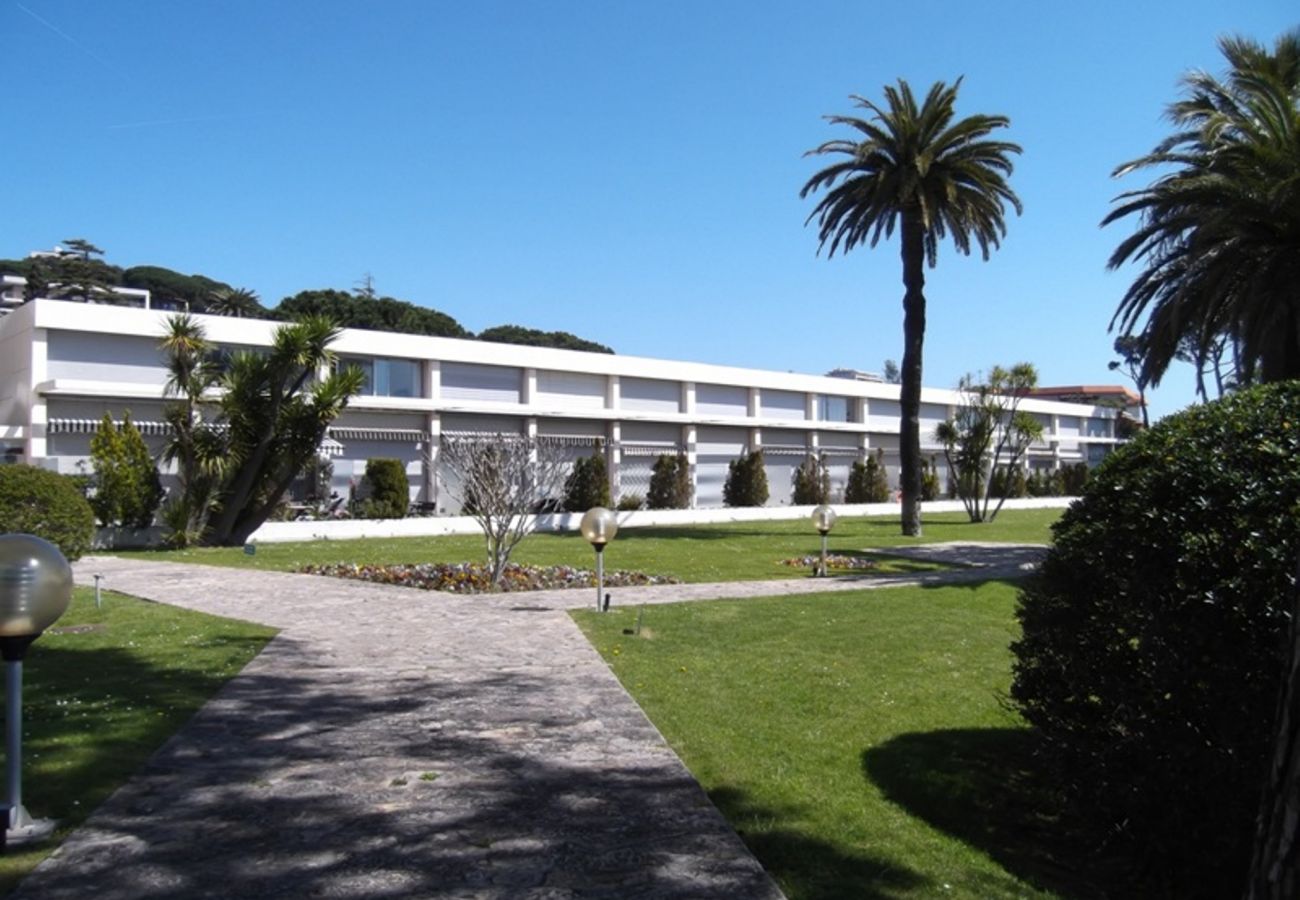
868, 481
1074, 479
746, 483
588, 483
48, 505
389, 490
670, 483
630, 502
1009, 482
812, 483
1152, 645
128, 489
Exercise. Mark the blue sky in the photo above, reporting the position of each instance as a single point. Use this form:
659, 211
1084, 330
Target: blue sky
625, 171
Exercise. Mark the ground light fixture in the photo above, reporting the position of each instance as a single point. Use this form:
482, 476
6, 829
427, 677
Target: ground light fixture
599, 526
35, 589
823, 519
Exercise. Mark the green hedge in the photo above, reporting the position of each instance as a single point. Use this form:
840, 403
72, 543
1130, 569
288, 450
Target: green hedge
746, 483
48, 505
670, 483
390, 490
588, 484
1151, 654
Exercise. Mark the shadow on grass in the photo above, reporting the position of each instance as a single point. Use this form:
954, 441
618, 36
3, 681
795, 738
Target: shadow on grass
301, 780
811, 868
981, 786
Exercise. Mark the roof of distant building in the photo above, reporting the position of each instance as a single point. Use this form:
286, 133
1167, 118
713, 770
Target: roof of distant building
1076, 393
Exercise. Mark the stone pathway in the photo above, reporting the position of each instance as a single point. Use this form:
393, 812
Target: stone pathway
392, 744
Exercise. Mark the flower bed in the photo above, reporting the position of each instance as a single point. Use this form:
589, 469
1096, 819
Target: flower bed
474, 578
833, 561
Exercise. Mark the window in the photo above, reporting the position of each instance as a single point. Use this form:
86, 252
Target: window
833, 409
387, 377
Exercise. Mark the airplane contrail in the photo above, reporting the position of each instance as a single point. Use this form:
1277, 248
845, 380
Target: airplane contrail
73, 41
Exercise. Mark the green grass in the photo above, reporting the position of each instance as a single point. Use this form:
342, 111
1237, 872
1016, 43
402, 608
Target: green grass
103, 689
698, 553
857, 742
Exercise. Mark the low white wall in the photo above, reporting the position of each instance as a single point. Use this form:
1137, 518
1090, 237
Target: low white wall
347, 529
115, 537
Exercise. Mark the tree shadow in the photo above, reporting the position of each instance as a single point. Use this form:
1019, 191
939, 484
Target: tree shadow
307, 779
811, 867
982, 787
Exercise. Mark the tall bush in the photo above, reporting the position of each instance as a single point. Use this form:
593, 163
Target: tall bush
390, 489
1074, 479
48, 505
588, 483
746, 483
127, 486
812, 482
868, 481
670, 483
1152, 647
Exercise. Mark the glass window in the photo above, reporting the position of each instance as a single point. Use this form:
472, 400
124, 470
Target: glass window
833, 409
387, 377
397, 378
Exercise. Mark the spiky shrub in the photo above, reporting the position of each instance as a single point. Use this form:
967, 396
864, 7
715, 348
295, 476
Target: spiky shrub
1152, 647
670, 483
630, 502
48, 505
588, 483
390, 490
812, 483
128, 489
746, 483
929, 480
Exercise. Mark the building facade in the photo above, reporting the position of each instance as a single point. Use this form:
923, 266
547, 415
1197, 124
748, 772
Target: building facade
64, 364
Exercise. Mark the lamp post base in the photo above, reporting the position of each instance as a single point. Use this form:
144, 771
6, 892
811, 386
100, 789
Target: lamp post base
23, 829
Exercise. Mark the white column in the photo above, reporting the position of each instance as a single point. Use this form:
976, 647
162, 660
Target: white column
38, 413
1055, 443
433, 426
432, 379
613, 458
755, 402
687, 405
613, 392
529, 387
689, 441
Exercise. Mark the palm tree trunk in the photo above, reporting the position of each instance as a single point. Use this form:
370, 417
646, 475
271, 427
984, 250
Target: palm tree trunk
909, 426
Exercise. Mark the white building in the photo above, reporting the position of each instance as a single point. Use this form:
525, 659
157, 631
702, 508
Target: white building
64, 364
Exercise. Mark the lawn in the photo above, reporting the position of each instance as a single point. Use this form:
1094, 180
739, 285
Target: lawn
104, 689
857, 742
699, 553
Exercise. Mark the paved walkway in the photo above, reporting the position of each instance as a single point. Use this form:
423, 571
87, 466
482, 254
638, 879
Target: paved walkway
391, 744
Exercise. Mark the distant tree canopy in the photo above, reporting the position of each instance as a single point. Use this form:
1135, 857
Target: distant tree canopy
377, 314
78, 275
172, 288
61, 278
532, 337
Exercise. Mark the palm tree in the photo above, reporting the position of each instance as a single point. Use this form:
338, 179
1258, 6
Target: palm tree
237, 302
1218, 232
929, 175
